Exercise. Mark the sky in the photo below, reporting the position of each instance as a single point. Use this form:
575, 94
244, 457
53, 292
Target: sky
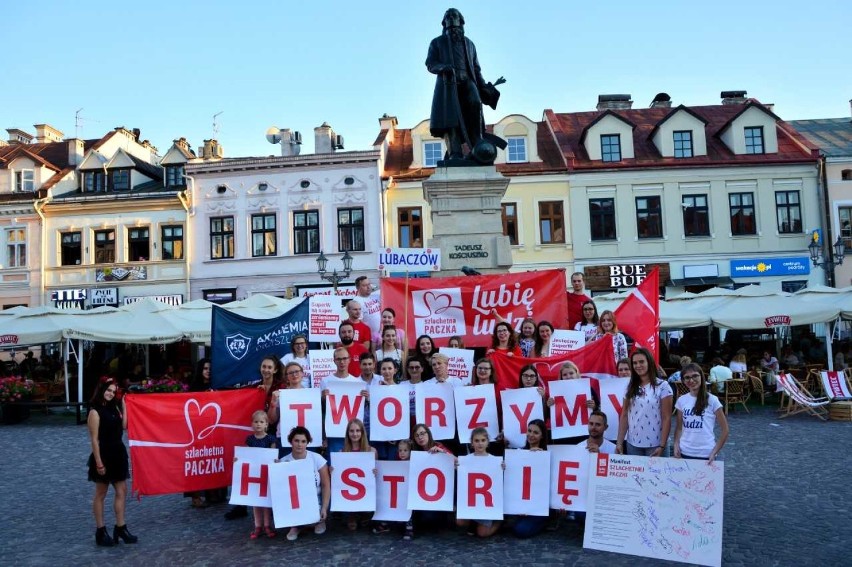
168, 67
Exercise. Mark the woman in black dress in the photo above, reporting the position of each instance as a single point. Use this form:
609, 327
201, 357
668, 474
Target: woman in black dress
108, 461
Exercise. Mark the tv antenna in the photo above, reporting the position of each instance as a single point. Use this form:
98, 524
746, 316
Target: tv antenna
79, 120
216, 125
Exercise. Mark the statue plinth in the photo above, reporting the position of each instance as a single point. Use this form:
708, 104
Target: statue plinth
467, 219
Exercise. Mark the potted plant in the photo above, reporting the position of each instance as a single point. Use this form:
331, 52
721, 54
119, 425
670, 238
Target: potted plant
13, 391
163, 385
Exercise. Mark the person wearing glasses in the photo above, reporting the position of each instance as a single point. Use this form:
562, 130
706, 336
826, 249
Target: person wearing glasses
341, 374
698, 412
589, 323
299, 353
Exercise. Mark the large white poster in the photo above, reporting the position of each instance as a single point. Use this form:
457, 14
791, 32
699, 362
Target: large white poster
460, 364
250, 479
392, 492
431, 481
654, 507
612, 397
480, 488
324, 317
476, 406
434, 406
519, 408
569, 414
569, 477
390, 412
343, 403
294, 493
353, 482
526, 483
300, 407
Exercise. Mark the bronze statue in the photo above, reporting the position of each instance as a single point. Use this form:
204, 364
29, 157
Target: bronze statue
460, 92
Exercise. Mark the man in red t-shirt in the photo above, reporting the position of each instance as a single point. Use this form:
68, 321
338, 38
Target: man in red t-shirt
576, 298
346, 332
363, 334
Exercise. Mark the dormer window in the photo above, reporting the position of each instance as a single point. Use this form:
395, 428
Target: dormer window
119, 180
846, 175
516, 150
174, 176
611, 147
25, 181
683, 144
432, 152
94, 181
754, 140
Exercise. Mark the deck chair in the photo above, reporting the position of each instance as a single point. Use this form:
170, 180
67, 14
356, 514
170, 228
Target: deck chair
735, 394
757, 387
799, 400
835, 386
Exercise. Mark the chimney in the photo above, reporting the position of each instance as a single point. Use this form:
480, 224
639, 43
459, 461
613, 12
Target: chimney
662, 100
18, 136
291, 142
76, 150
137, 133
733, 97
46, 134
614, 102
387, 122
211, 150
324, 139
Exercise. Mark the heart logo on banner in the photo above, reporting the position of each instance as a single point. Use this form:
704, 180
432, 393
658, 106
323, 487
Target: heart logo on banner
201, 410
202, 413
437, 303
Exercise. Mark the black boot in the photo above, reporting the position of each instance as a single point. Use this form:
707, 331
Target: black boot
121, 532
102, 537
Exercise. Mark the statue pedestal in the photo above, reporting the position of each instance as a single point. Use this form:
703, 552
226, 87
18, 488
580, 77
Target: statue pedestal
466, 219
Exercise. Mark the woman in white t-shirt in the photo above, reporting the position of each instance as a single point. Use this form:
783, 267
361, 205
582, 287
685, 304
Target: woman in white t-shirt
389, 346
299, 353
646, 417
299, 439
697, 414
589, 324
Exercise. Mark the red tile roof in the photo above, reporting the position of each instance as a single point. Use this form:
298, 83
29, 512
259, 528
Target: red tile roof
568, 129
52, 154
401, 155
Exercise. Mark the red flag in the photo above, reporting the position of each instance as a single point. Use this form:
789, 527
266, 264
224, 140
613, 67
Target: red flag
185, 442
595, 360
443, 307
639, 314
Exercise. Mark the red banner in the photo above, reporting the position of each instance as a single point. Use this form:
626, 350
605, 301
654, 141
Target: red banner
185, 442
443, 307
639, 314
595, 360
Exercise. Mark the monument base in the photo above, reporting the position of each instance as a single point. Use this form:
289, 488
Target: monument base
467, 219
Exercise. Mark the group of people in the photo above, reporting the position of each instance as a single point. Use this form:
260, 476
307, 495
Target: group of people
376, 357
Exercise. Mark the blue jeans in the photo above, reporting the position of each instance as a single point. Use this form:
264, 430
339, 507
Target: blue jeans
529, 526
642, 451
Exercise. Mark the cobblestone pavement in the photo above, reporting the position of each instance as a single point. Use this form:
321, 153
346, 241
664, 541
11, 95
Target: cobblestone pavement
787, 502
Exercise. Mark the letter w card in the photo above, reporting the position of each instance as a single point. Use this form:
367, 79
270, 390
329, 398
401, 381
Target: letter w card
526, 483
250, 486
353, 484
480, 488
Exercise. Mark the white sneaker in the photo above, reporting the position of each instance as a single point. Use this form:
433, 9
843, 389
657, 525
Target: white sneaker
319, 529
293, 534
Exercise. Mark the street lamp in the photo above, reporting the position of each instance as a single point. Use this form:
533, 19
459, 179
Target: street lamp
817, 252
334, 277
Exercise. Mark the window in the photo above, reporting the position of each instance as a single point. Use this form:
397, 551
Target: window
104, 246
683, 144
696, 215
174, 176
140, 247
71, 251
263, 235
793, 286
846, 175
221, 237
350, 229
649, 217
25, 181
432, 152
16, 248
754, 139
120, 179
602, 219
611, 147
172, 242
409, 221
742, 213
550, 222
516, 151
789, 212
94, 181
306, 234
509, 216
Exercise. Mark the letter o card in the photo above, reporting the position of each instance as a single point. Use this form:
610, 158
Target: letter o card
353, 484
431, 481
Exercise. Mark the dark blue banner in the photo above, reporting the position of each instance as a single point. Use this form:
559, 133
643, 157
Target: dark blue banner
239, 343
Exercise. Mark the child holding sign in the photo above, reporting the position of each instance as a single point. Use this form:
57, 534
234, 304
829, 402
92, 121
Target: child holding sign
262, 439
484, 528
356, 442
697, 414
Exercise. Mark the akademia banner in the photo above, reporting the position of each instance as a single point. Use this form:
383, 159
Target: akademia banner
595, 360
464, 306
185, 442
240, 343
